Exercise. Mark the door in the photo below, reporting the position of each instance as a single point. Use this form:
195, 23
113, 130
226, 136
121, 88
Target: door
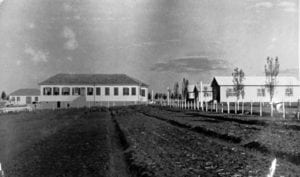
28, 100
82, 91
58, 104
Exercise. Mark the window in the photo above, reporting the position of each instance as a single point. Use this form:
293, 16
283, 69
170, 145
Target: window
143, 92
36, 99
98, 91
18, 98
55, 91
261, 92
47, 91
133, 91
116, 91
90, 91
207, 94
125, 91
75, 91
107, 91
230, 92
65, 91
289, 92
13, 98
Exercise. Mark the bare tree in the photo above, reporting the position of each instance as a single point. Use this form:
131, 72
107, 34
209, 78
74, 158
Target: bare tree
176, 90
3, 95
238, 77
271, 71
184, 88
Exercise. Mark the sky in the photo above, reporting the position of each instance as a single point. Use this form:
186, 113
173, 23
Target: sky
159, 42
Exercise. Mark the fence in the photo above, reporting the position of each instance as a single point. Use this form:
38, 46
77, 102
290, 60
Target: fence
282, 109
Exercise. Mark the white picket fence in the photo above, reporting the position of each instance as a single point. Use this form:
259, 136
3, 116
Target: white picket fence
231, 107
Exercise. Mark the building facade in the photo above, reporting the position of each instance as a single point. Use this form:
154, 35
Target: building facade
24, 96
287, 89
202, 92
78, 90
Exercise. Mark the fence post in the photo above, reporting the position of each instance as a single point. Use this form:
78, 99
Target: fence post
206, 106
271, 108
243, 107
216, 107
228, 107
260, 109
235, 111
222, 107
283, 110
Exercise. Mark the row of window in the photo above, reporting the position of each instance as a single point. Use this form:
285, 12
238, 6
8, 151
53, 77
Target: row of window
90, 91
36, 99
261, 92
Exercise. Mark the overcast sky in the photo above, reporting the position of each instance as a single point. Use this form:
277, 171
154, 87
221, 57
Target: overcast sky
156, 41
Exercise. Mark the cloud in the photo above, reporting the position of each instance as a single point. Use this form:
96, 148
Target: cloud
192, 64
69, 34
263, 5
19, 62
36, 55
1, 1
67, 7
69, 58
31, 25
287, 6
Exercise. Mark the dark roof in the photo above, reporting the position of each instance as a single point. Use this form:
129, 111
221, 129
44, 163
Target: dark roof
26, 92
91, 79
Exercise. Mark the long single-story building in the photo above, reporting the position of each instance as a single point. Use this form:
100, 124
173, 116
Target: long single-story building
24, 96
287, 89
78, 90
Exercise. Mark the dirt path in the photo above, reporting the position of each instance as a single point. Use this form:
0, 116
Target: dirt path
118, 166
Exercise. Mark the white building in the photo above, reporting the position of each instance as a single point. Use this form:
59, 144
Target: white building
204, 93
24, 96
287, 89
78, 90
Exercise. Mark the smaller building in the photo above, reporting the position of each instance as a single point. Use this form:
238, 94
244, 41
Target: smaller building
287, 89
196, 92
24, 96
192, 92
206, 92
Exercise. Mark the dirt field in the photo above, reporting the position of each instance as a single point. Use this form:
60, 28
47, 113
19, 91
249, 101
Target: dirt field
145, 141
172, 143
59, 143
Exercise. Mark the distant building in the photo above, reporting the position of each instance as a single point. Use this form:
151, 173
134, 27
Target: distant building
78, 90
204, 94
287, 89
24, 96
192, 91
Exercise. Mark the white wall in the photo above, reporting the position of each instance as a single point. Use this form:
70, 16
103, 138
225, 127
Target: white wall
102, 97
22, 99
251, 94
